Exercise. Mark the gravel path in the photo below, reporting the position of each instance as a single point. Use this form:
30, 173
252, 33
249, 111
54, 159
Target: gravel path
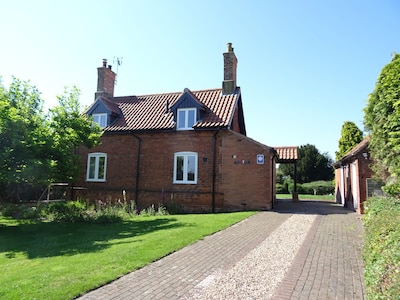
259, 273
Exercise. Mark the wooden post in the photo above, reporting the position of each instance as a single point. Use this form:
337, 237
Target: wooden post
295, 196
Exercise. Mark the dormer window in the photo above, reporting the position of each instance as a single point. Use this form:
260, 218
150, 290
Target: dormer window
186, 118
100, 119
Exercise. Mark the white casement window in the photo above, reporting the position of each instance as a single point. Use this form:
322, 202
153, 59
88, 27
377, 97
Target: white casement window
185, 167
100, 119
186, 118
96, 167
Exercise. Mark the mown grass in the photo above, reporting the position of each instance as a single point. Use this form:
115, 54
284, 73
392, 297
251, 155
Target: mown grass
307, 197
50, 260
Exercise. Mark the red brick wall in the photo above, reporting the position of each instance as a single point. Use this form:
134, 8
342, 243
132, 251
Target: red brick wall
121, 153
246, 184
363, 173
235, 121
235, 184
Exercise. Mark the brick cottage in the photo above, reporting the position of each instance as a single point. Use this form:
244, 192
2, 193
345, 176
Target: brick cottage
186, 149
354, 181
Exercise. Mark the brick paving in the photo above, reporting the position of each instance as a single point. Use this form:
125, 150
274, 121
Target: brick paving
328, 265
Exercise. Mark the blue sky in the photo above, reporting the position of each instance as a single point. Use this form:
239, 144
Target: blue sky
305, 67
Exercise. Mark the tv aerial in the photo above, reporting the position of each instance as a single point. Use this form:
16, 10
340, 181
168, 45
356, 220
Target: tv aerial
117, 61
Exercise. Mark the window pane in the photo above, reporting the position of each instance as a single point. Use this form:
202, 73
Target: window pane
191, 117
191, 168
102, 161
181, 119
92, 167
179, 168
103, 121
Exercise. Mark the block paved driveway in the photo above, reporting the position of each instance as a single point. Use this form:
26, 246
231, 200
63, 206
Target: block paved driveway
328, 264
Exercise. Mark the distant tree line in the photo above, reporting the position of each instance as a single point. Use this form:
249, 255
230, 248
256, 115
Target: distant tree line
38, 147
311, 166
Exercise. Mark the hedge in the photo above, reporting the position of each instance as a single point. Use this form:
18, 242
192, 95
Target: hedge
314, 188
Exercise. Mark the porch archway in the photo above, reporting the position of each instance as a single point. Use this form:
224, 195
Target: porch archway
289, 155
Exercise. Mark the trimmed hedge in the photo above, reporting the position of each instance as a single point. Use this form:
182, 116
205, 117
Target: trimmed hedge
313, 188
381, 252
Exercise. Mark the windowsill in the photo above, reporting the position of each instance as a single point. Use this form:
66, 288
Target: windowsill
95, 180
184, 129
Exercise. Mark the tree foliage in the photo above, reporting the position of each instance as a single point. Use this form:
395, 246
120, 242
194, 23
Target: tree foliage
311, 165
382, 121
351, 136
69, 129
37, 148
23, 138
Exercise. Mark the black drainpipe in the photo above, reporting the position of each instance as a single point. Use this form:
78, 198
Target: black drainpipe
214, 176
137, 171
273, 167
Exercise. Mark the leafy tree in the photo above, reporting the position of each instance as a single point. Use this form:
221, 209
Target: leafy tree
23, 139
311, 165
351, 136
38, 148
70, 129
382, 121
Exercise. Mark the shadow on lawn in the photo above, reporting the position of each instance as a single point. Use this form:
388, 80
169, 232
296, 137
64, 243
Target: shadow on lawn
54, 239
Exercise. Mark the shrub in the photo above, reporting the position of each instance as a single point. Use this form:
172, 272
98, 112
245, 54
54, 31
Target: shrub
72, 211
151, 211
392, 189
319, 187
162, 210
300, 188
381, 252
79, 211
281, 189
20, 211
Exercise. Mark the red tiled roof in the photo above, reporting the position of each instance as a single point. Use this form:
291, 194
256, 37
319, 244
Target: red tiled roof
150, 112
287, 153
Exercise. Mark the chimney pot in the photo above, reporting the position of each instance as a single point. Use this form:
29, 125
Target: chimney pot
230, 49
104, 62
109, 66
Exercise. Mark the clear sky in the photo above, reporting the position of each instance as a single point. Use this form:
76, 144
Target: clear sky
305, 67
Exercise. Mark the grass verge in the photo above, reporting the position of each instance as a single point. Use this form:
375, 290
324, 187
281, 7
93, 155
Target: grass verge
381, 252
307, 197
48, 260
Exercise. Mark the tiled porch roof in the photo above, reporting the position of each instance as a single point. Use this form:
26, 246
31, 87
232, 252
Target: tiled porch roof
287, 153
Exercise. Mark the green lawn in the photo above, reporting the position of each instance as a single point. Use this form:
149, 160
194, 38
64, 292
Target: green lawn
307, 197
47, 260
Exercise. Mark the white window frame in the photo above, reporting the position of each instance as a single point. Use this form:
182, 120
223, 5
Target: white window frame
96, 156
186, 156
100, 119
186, 125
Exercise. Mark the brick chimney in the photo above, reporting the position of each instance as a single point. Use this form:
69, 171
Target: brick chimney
230, 66
105, 81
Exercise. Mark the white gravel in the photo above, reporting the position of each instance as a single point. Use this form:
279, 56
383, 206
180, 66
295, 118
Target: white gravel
259, 273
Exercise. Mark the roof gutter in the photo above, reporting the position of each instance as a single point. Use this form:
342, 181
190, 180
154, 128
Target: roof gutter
137, 170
